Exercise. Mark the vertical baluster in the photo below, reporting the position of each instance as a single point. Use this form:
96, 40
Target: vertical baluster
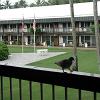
2, 88
20, 89
41, 90
53, 92
79, 93
10, 81
66, 96
95, 97
30, 89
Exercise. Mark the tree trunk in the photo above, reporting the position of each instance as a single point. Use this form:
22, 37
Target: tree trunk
97, 34
73, 34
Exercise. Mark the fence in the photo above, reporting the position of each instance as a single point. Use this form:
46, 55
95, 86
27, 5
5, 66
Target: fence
76, 80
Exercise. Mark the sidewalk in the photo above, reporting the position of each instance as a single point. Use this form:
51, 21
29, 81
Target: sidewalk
21, 59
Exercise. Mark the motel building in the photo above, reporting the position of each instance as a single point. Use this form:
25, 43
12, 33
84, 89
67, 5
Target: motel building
54, 23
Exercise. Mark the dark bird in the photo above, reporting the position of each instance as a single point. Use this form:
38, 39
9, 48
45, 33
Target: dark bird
66, 63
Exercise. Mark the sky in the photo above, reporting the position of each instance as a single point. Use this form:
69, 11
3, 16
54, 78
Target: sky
13, 1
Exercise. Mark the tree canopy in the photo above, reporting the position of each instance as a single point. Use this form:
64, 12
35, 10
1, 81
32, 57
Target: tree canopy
22, 3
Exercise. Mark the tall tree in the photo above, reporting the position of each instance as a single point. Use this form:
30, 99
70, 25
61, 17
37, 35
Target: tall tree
32, 5
44, 3
73, 34
16, 5
22, 4
97, 34
57, 2
53, 2
38, 2
1, 5
7, 5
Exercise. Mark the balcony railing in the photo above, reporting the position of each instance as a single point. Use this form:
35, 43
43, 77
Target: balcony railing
10, 30
50, 30
76, 80
63, 30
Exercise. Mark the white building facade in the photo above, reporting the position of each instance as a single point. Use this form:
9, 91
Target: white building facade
54, 23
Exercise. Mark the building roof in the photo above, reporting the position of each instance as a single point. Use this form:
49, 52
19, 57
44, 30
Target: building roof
47, 12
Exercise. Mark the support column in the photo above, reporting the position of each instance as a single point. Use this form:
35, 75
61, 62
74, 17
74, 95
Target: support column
31, 36
1, 38
41, 39
50, 41
26, 40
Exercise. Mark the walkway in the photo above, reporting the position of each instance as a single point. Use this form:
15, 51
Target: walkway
21, 59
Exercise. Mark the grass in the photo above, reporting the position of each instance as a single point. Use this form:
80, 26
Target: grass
87, 60
87, 63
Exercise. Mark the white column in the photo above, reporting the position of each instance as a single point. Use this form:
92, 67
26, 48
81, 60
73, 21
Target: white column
90, 40
41, 39
67, 27
79, 39
50, 41
60, 40
1, 38
17, 39
80, 29
49, 28
60, 27
26, 40
16, 29
80, 42
31, 42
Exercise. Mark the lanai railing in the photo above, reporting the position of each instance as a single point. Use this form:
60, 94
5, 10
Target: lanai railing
76, 80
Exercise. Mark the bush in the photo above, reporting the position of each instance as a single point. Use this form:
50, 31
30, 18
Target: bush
4, 52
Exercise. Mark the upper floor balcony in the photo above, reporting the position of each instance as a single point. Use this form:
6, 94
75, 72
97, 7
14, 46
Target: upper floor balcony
17, 83
65, 30
50, 30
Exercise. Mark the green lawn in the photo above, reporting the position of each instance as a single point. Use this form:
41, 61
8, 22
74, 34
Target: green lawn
87, 63
87, 60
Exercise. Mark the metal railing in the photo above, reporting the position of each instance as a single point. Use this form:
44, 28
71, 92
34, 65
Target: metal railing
76, 80
50, 30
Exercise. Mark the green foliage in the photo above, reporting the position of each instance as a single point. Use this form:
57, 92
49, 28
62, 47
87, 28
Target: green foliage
23, 3
38, 30
92, 28
4, 52
58, 2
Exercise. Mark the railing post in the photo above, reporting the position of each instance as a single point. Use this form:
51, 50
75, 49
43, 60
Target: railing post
53, 92
30, 89
95, 98
79, 93
20, 89
2, 88
10, 81
66, 96
41, 90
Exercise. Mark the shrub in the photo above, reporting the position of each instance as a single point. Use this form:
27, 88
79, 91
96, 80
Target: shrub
4, 52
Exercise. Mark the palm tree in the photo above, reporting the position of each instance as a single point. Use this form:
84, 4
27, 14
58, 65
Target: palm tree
38, 3
16, 5
22, 4
7, 5
1, 5
44, 3
32, 5
73, 34
97, 34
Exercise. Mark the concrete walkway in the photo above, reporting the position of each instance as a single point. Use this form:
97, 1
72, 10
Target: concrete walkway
21, 59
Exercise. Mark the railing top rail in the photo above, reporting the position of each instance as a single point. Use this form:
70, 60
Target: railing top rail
78, 80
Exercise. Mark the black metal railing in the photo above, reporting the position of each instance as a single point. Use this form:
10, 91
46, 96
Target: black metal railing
76, 80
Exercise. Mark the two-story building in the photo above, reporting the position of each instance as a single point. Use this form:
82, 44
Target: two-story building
54, 22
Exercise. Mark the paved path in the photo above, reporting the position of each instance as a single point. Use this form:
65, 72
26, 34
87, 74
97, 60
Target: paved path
21, 59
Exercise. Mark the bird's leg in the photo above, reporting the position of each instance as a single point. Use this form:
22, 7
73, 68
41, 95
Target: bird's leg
63, 70
71, 69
